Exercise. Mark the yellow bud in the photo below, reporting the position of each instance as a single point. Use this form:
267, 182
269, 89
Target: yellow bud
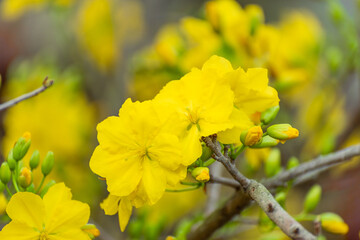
27, 135
25, 177
283, 132
333, 223
91, 230
170, 238
201, 174
251, 136
22, 146
212, 14
266, 142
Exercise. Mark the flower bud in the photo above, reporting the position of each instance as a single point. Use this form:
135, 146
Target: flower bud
35, 159
333, 223
201, 174
31, 188
212, 14
269, 114
22, 146
11, 161
25, 177
170, 238
337, 11
312, 198
251, 136
91, 230
206, 153
273, 163
2, 187
266, 141
5, 173
46, 187
292, 163
282, 131
48, 163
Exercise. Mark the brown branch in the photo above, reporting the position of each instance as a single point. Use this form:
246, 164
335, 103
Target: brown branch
224, 181
320, 162
262, 197
45, 85
240, 201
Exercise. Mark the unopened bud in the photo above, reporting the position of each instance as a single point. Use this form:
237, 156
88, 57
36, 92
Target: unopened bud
206, 153
25, 177
312, 198
337, 11
266, 141
170, 238
333, 223
46, 187
212, 14
11, 161
2, 187
201, 174
282, 131
251, 136
91, 230
269, 114
48, 163
5, 173
35, 159
273, 163
292, 163
22, 146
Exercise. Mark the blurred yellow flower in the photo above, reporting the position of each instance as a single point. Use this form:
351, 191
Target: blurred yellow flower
54, 217
3, 203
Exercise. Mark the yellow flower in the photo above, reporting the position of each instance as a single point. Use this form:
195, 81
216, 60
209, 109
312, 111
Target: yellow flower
3, 203
95, 30
198, 105
55, 217
135, 144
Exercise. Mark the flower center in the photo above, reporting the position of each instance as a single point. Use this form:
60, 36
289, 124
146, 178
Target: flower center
43, 236
144, 153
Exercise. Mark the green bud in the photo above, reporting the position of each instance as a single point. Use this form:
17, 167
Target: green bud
337, 11
5, 173
48, 163
201, 174
25, 177
206, 153
282, 131
280, 198
251, 136
292, 163
334, 58
35, 159
11, 161
22, 146
91, 230
266, 141
273, 163
46, 187
2, 187
312, 198
269, 115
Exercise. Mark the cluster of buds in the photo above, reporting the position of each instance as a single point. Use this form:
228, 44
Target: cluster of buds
14, 171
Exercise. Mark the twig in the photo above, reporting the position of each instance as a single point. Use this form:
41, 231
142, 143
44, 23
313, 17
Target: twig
225, 181
45, 85
262, 197
318, 163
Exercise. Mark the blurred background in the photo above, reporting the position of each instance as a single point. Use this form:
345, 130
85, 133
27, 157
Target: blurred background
100, 52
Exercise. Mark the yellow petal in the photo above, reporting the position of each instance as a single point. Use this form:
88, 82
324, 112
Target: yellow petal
27, 208
109, 165
55, 197
110, 204
125, 209
191, 146
70, 234
18, 231
153, 180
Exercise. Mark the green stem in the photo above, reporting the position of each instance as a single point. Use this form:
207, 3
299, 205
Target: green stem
8, 190
41, 183
184, 189
305, 217
240, 150
209, 162
14, 182
190, 183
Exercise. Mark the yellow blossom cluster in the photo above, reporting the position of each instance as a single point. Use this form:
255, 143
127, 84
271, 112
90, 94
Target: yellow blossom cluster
149, 145
288, 49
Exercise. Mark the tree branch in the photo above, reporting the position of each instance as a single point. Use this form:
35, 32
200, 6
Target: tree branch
321, 162
224, 181
45, 85
240, 200
262, 197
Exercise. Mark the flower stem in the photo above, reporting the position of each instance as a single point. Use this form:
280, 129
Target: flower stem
8, 190
14, 182
41, 183
184, 189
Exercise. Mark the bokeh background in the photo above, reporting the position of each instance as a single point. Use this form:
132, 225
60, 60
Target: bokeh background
100, 52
